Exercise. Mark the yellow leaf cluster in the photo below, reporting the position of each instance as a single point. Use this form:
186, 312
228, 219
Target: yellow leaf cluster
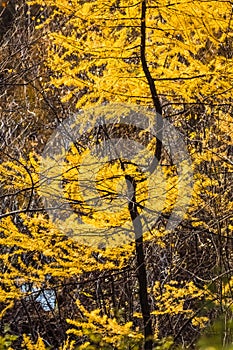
103, 331
98, 50
172, 296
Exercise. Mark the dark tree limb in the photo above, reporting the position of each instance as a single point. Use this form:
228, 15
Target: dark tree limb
141, 267
131, 186
154, 95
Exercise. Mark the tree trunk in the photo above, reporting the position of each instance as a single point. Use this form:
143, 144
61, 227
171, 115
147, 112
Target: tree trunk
141, 268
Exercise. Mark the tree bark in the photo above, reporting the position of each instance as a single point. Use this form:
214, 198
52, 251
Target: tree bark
131, 186
141, 267
154, 94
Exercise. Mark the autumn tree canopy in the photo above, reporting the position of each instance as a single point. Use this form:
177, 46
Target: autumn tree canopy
100, 65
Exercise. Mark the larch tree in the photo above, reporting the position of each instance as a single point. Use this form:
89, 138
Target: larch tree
175, 59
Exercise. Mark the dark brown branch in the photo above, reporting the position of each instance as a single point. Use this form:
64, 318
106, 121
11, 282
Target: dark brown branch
154, 94
183, 78
141, 267
133, 207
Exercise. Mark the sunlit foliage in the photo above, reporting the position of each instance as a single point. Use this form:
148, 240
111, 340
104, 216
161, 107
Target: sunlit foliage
93, 57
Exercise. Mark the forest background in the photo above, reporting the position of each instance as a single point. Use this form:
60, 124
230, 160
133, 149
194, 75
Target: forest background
162, 288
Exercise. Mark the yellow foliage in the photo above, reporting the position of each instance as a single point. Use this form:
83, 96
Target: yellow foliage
41, 250
100, 52
200, 321
39, 345
103, 331
95, 58
172, 296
